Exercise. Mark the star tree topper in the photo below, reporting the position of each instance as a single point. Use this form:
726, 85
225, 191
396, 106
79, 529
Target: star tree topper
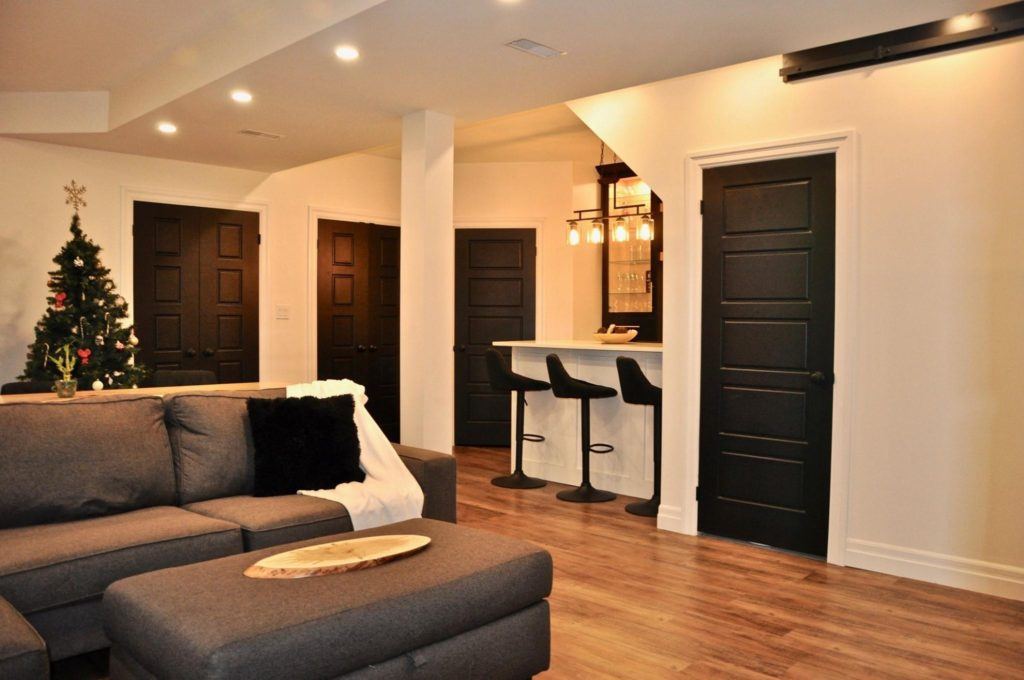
74, 192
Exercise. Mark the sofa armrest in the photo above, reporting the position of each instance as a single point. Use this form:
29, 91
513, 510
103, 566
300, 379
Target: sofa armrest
435, 473
22, 652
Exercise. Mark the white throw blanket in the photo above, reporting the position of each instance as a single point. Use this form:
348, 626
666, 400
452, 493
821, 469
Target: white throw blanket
390, 493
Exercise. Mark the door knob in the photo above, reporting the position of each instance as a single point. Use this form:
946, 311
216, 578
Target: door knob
462, 348
190, 352
360, 348
373, 348
208, 352
820, 378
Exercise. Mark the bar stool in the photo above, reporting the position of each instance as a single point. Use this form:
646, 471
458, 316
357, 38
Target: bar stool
637, 389
502, 379
566, 387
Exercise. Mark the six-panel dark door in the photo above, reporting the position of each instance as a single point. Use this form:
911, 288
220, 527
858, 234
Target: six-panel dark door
196, 278
357, 312
495, 293
767, 352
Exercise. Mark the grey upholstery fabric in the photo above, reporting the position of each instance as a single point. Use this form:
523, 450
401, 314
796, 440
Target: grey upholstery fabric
71, 630
212, 443
515, 647
63, 461
56, 564
435, 473
274, 520
22, 651
231, 626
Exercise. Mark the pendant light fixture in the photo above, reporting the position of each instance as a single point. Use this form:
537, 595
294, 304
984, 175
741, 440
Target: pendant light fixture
645, 230
620, 234
573, 237
596, 232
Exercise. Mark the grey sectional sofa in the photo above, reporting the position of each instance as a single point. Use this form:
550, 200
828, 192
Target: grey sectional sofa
99, 489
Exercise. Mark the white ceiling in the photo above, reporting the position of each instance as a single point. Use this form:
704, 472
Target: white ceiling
446, 56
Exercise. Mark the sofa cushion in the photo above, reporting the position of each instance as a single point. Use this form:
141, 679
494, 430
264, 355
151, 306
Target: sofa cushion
71, 460
212, 442
232, 626
274, 520
56, 564
22, 651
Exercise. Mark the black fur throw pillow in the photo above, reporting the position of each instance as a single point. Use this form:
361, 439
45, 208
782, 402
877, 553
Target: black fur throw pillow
304, 443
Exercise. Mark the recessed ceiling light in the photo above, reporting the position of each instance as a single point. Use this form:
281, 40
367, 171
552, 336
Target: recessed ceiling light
241, 96
347, 53
167, 128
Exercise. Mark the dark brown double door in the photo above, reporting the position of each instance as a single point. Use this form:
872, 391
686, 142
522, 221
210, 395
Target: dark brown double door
767, 352
495, 293
357, 312
197, 289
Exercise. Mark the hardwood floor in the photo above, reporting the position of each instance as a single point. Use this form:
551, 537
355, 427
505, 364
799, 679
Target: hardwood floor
633, 602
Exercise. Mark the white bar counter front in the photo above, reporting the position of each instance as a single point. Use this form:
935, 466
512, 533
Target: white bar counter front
629, 469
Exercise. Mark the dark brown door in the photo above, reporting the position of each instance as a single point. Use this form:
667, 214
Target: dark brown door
357, 312
495, 293
767, 346
197, 289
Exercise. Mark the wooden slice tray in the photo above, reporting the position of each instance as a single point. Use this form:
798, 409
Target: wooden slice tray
338, 557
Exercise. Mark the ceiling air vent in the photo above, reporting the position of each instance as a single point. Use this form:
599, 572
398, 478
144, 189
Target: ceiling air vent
534, 48
259, 133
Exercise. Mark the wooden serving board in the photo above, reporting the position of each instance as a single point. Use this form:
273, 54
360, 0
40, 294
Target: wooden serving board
338, 557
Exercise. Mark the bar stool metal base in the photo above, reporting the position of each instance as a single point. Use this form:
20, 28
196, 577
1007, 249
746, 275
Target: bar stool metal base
585, 494
647, 508
518, 480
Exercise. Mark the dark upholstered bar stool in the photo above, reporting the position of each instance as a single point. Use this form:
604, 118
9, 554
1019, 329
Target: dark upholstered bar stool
502, 379
637, 389
566, 387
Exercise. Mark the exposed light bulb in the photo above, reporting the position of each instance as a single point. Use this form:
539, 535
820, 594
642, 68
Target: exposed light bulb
596, 233
167, 128
574, 233
241, 96
347, 53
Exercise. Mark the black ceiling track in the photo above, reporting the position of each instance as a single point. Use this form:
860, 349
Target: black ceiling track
978, 27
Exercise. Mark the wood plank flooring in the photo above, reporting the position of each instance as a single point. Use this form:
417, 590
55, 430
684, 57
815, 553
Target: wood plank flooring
633, 602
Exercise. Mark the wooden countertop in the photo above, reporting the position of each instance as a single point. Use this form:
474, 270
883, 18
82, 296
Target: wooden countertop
583, 345
159, 391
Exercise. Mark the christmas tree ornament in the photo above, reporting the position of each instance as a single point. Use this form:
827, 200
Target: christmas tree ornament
132, 340
119, 345
58, 300
74, 192
84, 355
131, 359
79, 262
99, 341
97, 384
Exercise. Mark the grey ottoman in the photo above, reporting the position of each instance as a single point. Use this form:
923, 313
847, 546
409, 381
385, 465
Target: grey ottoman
22, 652
469, 606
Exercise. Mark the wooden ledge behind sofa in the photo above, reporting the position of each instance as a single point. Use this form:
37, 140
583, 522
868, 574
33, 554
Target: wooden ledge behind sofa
158, 391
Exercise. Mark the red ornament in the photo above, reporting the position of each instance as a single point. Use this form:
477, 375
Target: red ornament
84, 355
58, 300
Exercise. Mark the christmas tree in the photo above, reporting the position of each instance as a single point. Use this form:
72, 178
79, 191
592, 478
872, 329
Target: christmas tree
86, 312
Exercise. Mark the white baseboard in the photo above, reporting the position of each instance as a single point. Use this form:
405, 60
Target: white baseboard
1003, 580
670, 518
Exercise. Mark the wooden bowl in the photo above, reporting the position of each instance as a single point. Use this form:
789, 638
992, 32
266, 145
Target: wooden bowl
615, 338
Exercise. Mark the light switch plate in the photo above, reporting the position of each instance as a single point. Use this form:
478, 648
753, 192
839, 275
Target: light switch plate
282, 312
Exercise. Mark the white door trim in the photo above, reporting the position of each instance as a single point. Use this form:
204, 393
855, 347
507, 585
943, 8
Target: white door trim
130, 194
844, 145
314, 214
537, 224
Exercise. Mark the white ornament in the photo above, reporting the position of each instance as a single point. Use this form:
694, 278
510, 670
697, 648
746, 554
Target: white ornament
135, 387
97, 384
99, 341
132, 340
131, 359
79, 262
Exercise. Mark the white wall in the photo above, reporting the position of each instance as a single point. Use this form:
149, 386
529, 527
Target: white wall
586, 275
936, 469
34, 223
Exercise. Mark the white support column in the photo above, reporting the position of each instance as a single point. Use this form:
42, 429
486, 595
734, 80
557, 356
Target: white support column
428, 281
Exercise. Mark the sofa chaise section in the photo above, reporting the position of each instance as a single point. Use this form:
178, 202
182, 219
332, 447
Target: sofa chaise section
22, 652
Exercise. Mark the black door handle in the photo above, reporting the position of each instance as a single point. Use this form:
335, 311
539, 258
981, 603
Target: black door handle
190, 352
360, 348
462, 348
208, 352
373, 348
820, 378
